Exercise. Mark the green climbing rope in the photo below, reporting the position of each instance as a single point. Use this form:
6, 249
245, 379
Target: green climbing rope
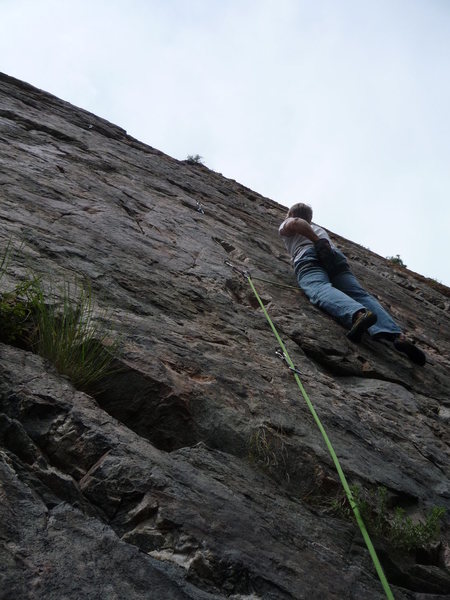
282, 285
330, 448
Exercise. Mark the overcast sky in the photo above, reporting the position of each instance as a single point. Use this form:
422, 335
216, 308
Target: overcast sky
342, 104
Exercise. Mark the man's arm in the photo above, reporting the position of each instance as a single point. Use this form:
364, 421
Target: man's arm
295, 225
332, 262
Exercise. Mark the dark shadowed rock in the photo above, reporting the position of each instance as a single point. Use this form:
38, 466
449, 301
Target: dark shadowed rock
196, 470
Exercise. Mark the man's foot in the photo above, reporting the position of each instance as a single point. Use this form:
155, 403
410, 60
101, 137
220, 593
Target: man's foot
415, 354
363, 320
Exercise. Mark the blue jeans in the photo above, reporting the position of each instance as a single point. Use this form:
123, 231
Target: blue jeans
341, 295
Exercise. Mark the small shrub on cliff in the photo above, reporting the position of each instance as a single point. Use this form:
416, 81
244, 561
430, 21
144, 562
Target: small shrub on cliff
407, 535
396, 260
399, 530
14, 306
4, 260
15, 314
195, 159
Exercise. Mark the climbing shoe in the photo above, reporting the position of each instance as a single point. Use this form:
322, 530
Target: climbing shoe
361, 324
414, 353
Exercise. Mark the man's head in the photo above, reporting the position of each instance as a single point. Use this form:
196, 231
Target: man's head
301, 211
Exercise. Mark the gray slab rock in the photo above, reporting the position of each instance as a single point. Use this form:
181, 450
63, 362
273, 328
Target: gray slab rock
199, 462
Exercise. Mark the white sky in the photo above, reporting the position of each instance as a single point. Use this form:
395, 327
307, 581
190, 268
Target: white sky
342, 104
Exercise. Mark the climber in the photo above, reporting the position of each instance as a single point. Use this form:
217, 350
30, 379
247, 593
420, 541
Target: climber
324, 275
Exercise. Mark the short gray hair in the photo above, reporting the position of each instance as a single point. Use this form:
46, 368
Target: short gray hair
302, 211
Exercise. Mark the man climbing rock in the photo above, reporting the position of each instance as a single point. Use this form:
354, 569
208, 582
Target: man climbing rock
324, 275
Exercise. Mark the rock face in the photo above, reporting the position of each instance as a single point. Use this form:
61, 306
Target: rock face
197, 472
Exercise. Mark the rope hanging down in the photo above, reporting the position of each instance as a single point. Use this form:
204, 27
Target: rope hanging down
345, 485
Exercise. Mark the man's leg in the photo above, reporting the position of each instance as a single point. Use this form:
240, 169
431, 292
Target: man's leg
314, 281
385, 326
349, 285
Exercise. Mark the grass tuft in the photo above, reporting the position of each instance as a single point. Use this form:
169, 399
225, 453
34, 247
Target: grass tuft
67, 334
268, 450
67, 329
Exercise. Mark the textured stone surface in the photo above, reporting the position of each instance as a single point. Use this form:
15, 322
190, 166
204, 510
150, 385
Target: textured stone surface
198, 472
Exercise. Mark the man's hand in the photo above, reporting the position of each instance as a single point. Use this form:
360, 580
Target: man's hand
333, 262
295, 225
